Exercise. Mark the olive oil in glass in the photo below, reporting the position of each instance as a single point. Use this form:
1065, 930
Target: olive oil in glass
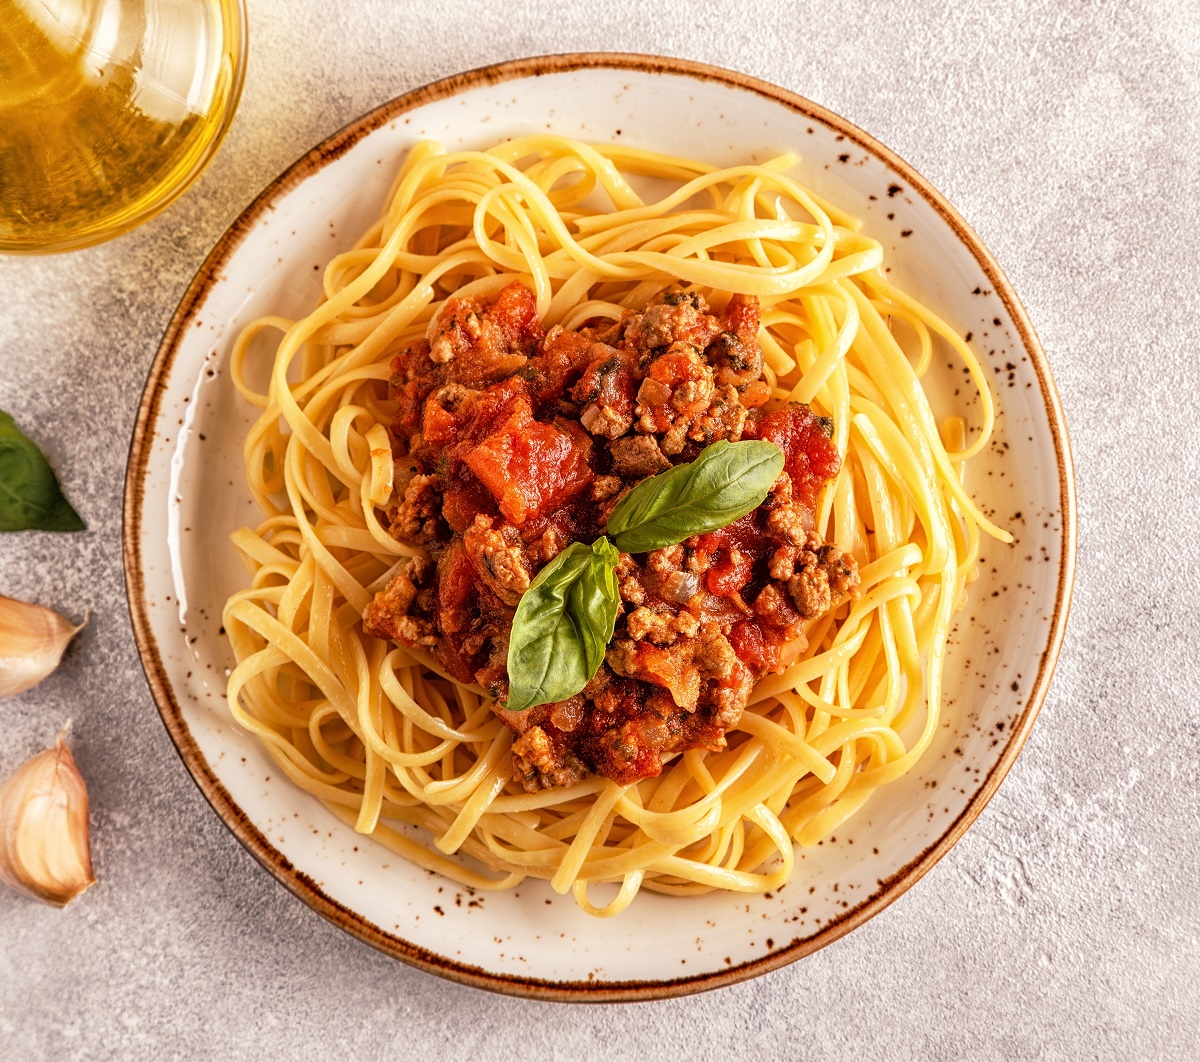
108, 110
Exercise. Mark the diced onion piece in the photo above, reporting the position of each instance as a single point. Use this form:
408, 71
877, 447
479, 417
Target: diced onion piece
681, 586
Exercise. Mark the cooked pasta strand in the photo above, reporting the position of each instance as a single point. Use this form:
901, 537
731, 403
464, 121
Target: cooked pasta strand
400, 751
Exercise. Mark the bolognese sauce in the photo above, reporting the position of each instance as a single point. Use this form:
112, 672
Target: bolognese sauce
511, 442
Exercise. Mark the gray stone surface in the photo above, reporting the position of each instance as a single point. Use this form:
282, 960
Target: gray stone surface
1065, 924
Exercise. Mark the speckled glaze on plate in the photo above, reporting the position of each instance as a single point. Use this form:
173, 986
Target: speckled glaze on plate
185, 493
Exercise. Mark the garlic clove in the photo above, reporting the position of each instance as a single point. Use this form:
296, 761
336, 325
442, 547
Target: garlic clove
32, 642
45, 847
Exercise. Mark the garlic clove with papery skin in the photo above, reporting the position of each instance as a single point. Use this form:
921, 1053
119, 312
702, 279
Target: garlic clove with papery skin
32, 642
45, 847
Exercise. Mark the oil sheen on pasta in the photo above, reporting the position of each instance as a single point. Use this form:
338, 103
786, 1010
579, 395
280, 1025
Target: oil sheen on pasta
412, 752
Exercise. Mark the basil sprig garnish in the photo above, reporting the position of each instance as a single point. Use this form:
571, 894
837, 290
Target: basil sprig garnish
566, 618
563, 625
30, 497
723, 484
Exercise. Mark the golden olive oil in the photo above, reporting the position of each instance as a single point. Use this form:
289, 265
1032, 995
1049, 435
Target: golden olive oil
108, 109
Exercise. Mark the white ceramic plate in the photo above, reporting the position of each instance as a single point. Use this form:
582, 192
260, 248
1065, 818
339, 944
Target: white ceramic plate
185, 494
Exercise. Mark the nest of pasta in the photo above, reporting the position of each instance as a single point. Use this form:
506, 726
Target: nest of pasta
516, 344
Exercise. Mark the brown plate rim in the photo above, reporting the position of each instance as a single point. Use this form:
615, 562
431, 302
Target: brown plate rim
237, 820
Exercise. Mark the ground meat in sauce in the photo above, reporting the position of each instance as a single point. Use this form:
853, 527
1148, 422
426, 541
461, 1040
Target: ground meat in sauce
515, 442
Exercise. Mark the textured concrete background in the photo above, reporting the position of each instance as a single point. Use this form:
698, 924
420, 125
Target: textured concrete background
1065, 925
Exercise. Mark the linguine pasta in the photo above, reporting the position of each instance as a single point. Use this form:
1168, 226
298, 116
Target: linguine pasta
404, 753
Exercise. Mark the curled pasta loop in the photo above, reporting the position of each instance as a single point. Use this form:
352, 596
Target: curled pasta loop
398, 749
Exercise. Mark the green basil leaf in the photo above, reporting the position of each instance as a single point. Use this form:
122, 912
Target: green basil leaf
724, 483
597, 597
30, 497
563, 625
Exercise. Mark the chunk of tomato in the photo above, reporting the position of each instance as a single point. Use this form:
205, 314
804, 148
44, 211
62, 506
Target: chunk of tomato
530, 467
810, 458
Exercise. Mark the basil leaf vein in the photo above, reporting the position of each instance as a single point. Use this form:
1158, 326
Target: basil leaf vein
723, 484
30, 497
563, 625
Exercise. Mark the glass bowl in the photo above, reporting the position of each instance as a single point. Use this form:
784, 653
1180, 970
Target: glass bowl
109, 109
